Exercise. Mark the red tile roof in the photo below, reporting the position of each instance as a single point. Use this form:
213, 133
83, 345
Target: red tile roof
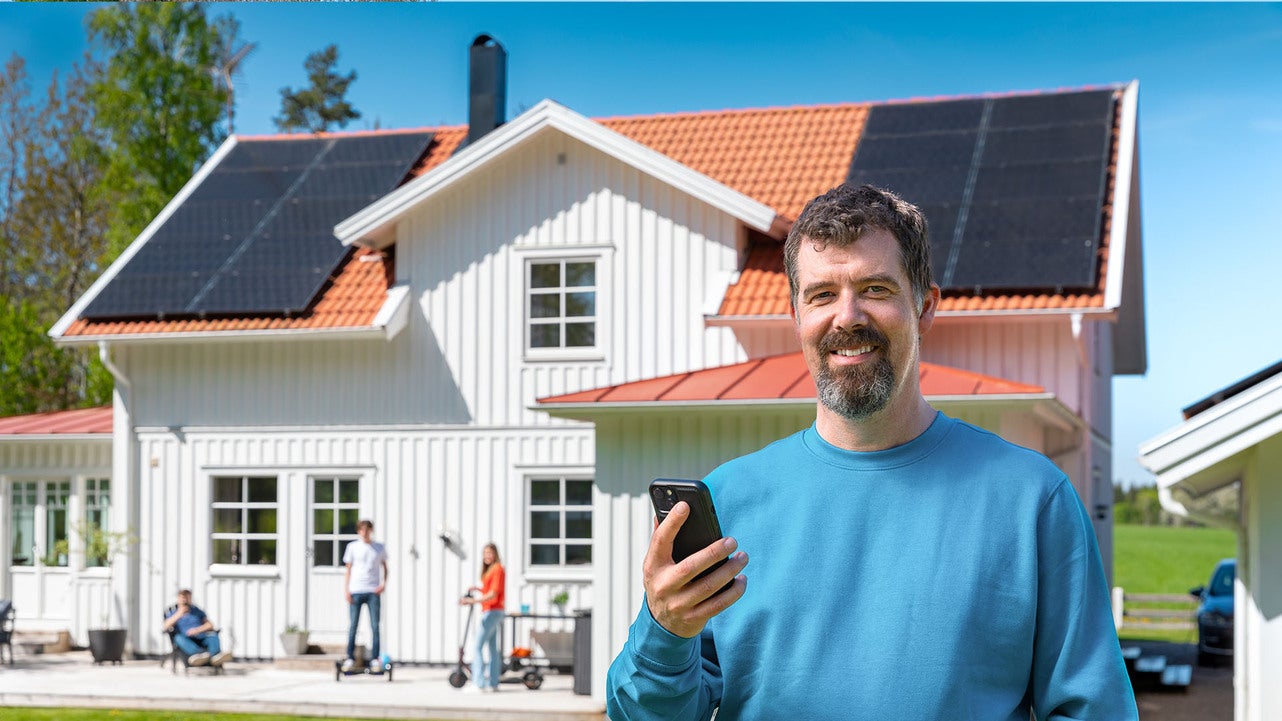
83, 421
778, 377
782, 157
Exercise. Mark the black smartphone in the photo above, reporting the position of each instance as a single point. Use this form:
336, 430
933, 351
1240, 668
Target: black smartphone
701, 528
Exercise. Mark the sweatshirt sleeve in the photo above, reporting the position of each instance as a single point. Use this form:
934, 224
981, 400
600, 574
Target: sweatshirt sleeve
661, 676
1078, 671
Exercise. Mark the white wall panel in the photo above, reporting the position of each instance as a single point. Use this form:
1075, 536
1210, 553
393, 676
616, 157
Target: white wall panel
417, 481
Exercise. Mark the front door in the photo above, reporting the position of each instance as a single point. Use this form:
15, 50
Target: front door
334, 502
40, 579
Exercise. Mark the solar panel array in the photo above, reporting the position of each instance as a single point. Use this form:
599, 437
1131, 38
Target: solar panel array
1013, 187
256, 237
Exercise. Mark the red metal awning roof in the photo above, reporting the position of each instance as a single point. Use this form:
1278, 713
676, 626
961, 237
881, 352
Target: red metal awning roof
781, 377
82, 421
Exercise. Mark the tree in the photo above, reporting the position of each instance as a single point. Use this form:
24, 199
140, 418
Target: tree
16, 127
34, 374
158, 103
322, 105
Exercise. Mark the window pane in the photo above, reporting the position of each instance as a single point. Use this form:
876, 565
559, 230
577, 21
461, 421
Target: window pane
577, 554
322, 521
545, 335
262, 490
578, 493
262, 552
545, 493
578, 524
226, 551
55, 530
226, 490
323, 553
24, 530
349, 491
545, 524
545, 275
580, 305
545, 555
580, 335
545, 305
262, 520
227, 520
578, 275
347, 519
324, 492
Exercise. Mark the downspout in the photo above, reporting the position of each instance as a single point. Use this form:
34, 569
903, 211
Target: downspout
124, 499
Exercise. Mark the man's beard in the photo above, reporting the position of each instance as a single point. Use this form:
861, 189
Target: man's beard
855, 392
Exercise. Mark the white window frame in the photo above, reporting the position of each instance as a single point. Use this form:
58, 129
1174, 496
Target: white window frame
567, 254
560, 571
339, 539
97, 499
244, 535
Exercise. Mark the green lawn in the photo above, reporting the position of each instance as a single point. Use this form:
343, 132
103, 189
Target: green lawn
68, 714
1168, 560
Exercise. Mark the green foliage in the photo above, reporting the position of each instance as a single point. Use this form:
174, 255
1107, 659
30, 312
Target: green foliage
1140, 505
158, 103
102, 546
322, 105
34, 374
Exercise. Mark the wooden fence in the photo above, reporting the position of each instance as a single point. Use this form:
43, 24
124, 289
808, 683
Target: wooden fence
1154, 611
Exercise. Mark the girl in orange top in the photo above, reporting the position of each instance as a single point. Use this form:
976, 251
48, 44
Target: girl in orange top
485, 673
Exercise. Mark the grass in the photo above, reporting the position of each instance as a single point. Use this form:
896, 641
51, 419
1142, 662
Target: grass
68, 714
1168, 560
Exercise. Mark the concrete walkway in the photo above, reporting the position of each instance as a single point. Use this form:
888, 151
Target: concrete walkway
72, 680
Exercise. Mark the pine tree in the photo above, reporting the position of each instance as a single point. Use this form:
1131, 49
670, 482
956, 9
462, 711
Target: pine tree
322, 105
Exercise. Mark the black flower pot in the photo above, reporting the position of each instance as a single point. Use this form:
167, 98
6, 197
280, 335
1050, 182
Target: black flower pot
107, 644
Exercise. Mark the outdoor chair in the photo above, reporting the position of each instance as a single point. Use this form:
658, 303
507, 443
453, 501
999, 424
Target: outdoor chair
176, 654
6, 629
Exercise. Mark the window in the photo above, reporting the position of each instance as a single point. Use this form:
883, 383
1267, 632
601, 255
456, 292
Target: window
24, 523
335, 511
561, 312
560, 521
55, 547
39, 521
97, 508
245, 513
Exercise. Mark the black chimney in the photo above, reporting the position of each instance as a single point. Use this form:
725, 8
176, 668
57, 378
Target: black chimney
487, 87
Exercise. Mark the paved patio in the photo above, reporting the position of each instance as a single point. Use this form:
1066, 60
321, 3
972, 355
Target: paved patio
72, 679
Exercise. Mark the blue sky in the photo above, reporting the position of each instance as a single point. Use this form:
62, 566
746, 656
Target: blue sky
1210, 113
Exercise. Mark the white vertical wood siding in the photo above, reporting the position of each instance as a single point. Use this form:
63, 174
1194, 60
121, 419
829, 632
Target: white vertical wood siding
415, 481
692, 443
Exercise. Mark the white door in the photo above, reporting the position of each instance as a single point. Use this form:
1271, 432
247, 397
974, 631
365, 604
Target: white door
40, 581
334, 503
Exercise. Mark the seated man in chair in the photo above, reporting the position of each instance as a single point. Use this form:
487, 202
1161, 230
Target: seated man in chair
193, 633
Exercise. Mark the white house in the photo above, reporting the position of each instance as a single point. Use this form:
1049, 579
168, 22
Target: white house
543, 316
1223, 466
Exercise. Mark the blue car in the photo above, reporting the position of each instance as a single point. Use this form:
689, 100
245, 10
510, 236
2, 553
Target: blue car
1215, 614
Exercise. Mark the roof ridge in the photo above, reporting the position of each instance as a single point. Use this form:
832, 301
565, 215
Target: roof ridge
861, 104
344, 133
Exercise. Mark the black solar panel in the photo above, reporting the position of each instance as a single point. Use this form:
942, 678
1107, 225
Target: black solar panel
1013, 187
256, 236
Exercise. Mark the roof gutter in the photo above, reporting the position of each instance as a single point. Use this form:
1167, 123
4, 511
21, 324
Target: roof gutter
1026, 314
223, 336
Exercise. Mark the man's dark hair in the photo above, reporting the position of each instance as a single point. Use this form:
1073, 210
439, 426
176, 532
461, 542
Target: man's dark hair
842, 215
364, 523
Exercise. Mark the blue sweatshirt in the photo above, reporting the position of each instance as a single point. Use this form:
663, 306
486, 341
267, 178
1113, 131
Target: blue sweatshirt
955, 577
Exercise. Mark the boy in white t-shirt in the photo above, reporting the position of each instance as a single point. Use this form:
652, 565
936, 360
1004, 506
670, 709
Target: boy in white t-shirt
364, 586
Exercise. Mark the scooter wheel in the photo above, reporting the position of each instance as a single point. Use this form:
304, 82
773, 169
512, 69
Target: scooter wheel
457, 679
532, 680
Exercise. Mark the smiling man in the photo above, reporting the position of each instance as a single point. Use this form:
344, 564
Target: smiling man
907, 565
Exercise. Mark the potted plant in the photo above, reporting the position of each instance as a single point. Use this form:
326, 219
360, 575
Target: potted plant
101, 547
294, 639
559, 600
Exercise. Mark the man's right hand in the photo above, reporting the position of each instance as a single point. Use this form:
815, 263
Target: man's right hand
349, 597
677, 601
